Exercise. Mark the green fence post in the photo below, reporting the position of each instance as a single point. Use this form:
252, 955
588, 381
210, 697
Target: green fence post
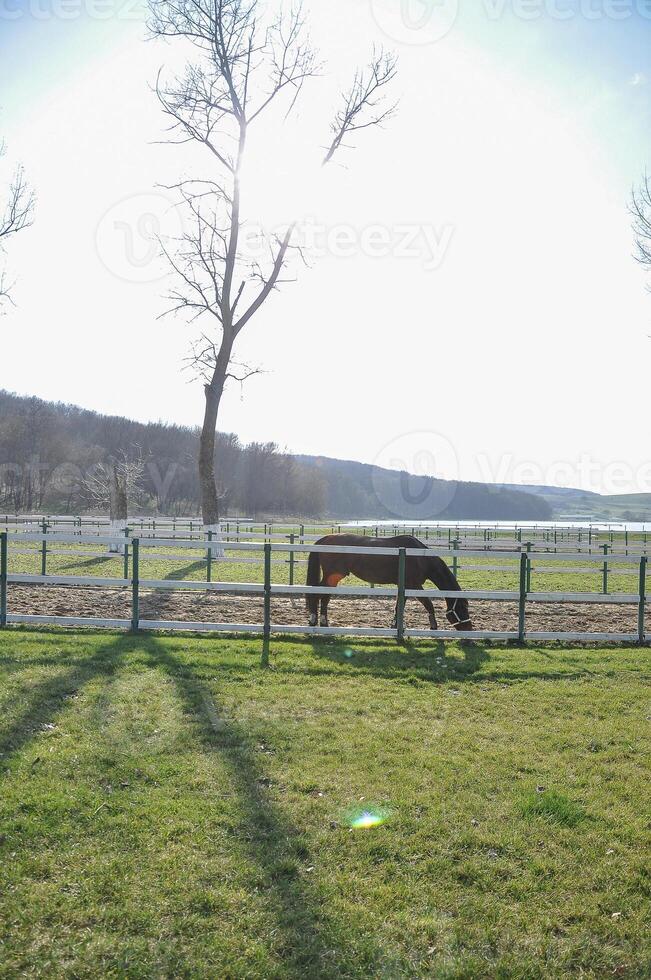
209, 558
267, 591
126, 553
135, 585
3, 578
529, 547
400, 608
641, 611
44, 528
605, 570
292, 539
524, 568
456, 544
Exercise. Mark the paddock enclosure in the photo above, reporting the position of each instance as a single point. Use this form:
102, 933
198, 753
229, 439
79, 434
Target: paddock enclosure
523, 582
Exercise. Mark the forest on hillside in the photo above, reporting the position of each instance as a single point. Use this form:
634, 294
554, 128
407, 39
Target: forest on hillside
50, 453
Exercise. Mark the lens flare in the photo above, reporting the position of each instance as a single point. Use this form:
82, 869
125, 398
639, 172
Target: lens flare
366, 819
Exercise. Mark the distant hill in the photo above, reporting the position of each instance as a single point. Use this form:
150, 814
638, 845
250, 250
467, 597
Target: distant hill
47, 449
362, 490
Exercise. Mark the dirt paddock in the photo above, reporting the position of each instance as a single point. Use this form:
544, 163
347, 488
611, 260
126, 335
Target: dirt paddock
199, 606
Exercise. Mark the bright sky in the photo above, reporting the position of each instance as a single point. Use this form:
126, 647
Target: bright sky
509, 343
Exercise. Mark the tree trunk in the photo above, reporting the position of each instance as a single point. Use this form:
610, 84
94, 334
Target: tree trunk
118, 508
207, 481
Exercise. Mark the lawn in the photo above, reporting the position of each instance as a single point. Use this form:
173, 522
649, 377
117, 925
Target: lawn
191, 807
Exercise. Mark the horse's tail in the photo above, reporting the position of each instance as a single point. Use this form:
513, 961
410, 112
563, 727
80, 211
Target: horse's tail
313, 571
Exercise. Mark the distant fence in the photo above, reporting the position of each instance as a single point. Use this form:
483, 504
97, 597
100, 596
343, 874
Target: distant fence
135, 582
551, 538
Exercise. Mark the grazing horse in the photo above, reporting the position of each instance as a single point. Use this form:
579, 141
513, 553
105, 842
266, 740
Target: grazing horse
328, 570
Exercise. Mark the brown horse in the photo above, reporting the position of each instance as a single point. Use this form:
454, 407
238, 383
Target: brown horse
327, 570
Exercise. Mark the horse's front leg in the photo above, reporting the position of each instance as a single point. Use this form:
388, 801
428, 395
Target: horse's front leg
429, 606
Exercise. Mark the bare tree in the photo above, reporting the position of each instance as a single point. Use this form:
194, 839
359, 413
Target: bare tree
111, 484
18, 214
243, 68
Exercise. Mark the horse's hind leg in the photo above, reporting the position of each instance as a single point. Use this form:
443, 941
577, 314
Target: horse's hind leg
330, 582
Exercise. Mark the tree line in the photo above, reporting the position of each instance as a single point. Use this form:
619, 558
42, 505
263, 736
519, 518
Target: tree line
59, 458
56, 457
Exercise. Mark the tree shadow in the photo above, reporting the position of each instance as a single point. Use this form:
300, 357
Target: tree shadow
275, 845
184, 570
46, 700
90, 562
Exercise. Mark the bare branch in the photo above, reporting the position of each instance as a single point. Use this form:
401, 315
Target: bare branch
640, 209
365, 102
18, 215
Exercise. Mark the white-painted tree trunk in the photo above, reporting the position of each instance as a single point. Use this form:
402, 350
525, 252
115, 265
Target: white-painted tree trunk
217, 546
117, 529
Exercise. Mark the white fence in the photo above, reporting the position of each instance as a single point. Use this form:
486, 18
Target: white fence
133, 581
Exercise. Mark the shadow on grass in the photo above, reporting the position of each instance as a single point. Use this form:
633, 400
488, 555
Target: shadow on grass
183, 571
275, 845
46, 700
393, 662
91, 562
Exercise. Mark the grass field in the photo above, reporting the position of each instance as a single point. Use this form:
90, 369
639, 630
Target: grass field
183, 807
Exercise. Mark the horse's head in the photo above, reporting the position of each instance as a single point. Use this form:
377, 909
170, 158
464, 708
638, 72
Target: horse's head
458, 614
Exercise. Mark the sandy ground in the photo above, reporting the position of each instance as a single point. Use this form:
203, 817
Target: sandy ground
199, 606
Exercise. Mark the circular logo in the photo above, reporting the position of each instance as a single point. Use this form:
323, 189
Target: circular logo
415, 476
128, 236
415, 22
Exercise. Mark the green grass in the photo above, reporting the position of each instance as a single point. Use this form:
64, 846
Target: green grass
181, 807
